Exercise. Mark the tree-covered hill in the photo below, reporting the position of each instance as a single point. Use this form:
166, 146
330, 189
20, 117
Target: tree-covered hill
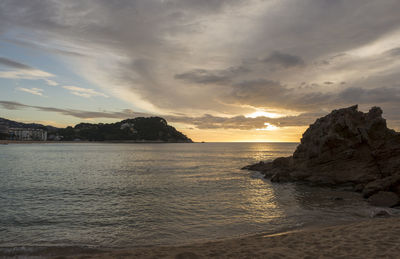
137, 129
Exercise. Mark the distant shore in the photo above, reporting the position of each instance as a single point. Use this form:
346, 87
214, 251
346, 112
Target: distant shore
374, 238
6, 142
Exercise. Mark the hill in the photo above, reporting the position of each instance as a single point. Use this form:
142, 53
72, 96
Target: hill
15, 124
140, 129
137, 129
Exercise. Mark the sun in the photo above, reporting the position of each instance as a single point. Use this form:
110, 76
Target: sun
261, 113
269, 127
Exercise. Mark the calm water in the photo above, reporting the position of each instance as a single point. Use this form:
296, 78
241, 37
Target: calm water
119, 195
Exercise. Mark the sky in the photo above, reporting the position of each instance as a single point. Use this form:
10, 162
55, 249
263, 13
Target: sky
217, 70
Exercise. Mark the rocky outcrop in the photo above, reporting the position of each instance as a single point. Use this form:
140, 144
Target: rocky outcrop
346, 147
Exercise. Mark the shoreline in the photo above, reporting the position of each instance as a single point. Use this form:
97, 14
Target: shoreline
372, 238
12, 142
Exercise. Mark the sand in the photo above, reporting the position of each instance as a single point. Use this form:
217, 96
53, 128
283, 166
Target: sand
375, 238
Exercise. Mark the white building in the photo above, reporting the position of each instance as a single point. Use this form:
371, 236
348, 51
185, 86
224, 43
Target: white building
27, 134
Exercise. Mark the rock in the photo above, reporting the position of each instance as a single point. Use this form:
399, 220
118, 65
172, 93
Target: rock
358, 187
396, 189
381, 214
254, 167
384, 199
345, 147
281, 176
283, 162
383, 184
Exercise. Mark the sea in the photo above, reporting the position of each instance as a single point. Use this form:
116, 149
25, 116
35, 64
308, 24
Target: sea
106, 195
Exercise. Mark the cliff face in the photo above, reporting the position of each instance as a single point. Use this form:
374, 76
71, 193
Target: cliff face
345, 147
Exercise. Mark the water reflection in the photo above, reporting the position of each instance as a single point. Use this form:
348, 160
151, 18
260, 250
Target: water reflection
260, 200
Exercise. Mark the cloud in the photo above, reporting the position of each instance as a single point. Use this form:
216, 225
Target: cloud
374, 95
201, 122
393, 52
82, 114
22, 74
284, 60
50, 82
84, 92
245, 123
272, 94
204, 76
14, 64
43, 47
328, 83
204, 122
23, 71
35, 91
148, 52
12, 105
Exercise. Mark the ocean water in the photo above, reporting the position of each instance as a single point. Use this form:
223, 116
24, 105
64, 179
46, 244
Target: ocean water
126, 195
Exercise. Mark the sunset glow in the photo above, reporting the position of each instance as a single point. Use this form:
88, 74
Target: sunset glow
263, 114
217, 70
269, 127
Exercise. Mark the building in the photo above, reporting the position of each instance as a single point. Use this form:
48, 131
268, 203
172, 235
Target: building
27, 134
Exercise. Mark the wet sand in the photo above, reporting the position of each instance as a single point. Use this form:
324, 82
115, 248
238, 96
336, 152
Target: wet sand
375, 238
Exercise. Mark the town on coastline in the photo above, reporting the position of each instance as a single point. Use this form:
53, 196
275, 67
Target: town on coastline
22, 134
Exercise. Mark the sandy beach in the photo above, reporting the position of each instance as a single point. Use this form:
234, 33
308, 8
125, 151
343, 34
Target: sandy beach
375, 238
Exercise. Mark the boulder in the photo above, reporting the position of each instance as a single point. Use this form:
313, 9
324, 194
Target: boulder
345, 147
260, 166
383, 184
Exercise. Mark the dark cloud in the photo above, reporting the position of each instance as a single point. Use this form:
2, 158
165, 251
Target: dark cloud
284, 60
206, 6
204, 76
256, 91
393, 52
37, 46
14, 64
73, 112
316, 28
13, 105
268, 93
375, 95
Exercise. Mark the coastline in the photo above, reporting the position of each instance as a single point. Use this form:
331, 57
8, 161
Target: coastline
373, 238
11, 142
